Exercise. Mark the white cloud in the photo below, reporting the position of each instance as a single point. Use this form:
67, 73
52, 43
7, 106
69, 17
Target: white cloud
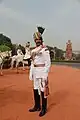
12, 14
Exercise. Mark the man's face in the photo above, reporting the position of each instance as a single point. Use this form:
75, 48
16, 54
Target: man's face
38, 42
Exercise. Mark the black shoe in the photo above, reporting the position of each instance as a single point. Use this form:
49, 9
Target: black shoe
34, 109
44, 105
37, 106
42, 113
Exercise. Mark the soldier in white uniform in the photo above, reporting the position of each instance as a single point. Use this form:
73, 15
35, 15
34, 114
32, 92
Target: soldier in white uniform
19, 52
27, 56
39, 70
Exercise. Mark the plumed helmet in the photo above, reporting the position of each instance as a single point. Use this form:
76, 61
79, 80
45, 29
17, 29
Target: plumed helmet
40, 30
38, 35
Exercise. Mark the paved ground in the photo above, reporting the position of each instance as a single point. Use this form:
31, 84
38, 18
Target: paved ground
63, 102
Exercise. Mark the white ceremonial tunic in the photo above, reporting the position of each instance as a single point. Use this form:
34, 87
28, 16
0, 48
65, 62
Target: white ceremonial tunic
40, 74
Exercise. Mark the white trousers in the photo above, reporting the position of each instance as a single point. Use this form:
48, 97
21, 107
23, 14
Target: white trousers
39, 83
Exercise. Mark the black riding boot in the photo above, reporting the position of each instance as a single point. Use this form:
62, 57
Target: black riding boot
44, 105
37, 102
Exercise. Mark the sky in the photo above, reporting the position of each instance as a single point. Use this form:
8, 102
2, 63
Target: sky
61, 19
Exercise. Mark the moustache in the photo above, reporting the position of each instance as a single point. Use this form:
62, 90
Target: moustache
38, 42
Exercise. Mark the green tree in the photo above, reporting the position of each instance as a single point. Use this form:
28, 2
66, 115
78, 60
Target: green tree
4, 40
4, 48
58, 53
78, 57
14, 50
51, 50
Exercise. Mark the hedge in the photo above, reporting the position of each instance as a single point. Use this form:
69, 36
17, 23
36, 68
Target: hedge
65, 61
7, 62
